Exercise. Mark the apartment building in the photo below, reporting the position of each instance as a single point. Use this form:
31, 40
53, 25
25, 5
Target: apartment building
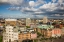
56, 32
24, 35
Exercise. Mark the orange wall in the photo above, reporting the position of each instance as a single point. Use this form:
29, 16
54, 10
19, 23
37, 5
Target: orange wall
24, 36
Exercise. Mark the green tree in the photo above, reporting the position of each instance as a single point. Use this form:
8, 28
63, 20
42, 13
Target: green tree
1, 38
27, 26
39, 34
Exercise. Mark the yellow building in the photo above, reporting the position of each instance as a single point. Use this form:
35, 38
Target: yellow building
12, 22
23, 36
48, 33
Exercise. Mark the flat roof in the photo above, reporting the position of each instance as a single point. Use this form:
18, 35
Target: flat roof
10, 19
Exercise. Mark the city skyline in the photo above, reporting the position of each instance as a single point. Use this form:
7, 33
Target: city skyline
31, 8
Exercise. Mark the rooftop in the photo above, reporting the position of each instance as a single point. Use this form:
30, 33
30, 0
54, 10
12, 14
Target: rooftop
45, 26
10, 19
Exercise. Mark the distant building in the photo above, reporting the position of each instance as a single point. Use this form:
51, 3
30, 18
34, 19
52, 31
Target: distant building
45, 20
12, 22
10, 34
28, 21
49, 31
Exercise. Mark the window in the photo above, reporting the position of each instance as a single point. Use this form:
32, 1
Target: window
9, 34
7, 41
9, 31
19, 38
26, 35
12, 34
12, 37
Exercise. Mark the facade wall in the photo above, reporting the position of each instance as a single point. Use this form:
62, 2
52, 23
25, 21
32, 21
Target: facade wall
62, 30
45, 20
56, 32
23, 36
13, 23
28, 22
39, 30
48, 34
10, 35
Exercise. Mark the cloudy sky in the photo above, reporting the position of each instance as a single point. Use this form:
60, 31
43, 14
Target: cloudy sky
31, 8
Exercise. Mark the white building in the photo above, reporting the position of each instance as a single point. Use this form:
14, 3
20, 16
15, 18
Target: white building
28, 21
45, 20
9, 34
22, 28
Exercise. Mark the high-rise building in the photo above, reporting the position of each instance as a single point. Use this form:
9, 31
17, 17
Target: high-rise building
12, 22
45, 20
10, 34
28, 21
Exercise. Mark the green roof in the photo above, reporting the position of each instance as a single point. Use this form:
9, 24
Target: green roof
45, 26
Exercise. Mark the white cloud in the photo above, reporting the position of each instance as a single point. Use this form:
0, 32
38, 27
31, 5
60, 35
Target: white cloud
37, 3
57, 15
31, 3
63, 15
40, 2
4, 1
13, 8
36, 7
60, 1
54, 0
39, 12
13, 2
50, 6
28, 9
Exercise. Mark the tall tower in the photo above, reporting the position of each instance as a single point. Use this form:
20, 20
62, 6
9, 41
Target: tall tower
28, 21
45, 20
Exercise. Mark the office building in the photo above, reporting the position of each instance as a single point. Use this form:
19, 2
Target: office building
28, 21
